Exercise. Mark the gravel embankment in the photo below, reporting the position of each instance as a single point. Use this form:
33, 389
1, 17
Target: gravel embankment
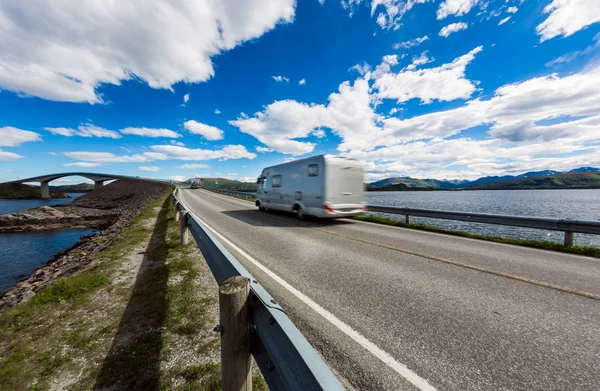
108, 209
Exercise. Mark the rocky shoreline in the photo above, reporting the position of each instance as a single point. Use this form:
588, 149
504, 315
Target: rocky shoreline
108, 209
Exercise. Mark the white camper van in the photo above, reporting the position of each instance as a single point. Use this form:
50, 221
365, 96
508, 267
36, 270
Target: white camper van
322, 186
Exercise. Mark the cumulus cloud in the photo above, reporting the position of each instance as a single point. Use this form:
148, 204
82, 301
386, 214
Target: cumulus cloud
147, 132
82, 164
12, 137
217, 111
186, 98
444, 83
149, 168
302, 82
361, 69
568, 17
500, 23
279, 79
420, 60
452, 28
178, 178
85, 130
207, 131
455, 7
512, 10
413, 42
64, 50
192, 166
263, 149
178, 143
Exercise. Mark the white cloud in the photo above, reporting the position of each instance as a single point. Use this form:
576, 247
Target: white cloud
178, 178
413, 42
455, 7
180, 153
302, 82
4, 156
279, 79
349, 113
186, 98
64, 50
147, 132
361, 69
217, 111
106, 157
393, 11
565, 58
193, 166
512, 10
12, 137
420, 60
85, 130
500, 23
444, 83
178, 143
208, 132
452, 28
82, 164
263, 149
567, 17
149, 168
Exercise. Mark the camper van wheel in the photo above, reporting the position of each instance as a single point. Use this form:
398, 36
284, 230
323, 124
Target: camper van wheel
299, 213
260, 208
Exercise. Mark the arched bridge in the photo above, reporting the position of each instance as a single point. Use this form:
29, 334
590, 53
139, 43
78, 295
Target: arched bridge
98, 179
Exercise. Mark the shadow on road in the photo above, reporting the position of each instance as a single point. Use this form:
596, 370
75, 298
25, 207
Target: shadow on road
280, 219
133, 361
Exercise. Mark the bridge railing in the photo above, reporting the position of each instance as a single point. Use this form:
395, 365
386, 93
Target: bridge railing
284, 356
569, 227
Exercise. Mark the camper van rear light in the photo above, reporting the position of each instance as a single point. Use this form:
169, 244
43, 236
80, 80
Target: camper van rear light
328, 209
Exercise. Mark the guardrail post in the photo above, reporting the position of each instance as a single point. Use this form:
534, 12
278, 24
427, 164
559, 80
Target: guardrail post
407, 219
184, 231
568, 238
234, 310
176, 210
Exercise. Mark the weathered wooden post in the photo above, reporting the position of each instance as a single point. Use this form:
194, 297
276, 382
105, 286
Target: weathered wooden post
176, 210
234, 309
184, 231
568, 238
407, 219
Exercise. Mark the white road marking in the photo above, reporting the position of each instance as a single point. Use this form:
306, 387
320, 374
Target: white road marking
390, 361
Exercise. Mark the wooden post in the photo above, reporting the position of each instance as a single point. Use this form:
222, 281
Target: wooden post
176, 210
568, 238
407, 220
184, 231
234, 309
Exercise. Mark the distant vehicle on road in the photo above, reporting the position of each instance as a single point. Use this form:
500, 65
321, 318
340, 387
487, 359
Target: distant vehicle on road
322, 186
195, 184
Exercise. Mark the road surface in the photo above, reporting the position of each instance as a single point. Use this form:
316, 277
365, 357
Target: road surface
398, 309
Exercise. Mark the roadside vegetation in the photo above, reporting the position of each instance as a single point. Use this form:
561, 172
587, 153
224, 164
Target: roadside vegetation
579, 250
140, 317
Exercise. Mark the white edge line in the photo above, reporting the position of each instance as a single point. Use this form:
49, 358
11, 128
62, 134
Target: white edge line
390, 361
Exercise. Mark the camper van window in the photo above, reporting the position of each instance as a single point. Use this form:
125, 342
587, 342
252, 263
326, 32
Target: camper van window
261, 183
276, 181
313, 170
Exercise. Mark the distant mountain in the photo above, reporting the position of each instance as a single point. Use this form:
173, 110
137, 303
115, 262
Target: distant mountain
79, 188
465, 184
569, 180
228, 184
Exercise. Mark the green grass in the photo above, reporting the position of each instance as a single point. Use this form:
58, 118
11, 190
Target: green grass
70, 288
579, 250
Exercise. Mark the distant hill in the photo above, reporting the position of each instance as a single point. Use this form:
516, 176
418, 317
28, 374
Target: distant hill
19, 191
570, 180
79, 188
416, 184
398, 187
228, 184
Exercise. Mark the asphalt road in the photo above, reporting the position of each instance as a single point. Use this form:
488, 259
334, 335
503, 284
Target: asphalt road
430, 311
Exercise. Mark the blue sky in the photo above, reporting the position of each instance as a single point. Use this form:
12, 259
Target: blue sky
431, 89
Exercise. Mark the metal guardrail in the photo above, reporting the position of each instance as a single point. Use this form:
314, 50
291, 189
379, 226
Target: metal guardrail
569, 227
284, 356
